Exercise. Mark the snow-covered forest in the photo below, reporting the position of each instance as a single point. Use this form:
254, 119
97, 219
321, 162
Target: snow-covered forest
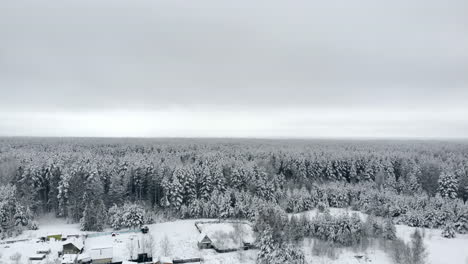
126, 183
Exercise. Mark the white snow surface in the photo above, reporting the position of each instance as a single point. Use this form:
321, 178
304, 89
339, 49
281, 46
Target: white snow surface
440, 250
183, 237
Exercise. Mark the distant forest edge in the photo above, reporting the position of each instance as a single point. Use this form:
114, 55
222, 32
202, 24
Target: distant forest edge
95, 181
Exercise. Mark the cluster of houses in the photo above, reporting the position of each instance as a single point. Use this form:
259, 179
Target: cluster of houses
73, 252
100, 252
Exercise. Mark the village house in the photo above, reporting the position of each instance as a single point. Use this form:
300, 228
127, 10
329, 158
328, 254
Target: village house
73, 246
204, 241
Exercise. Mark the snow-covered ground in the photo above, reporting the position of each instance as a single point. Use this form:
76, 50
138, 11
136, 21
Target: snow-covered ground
183, 237
440, 250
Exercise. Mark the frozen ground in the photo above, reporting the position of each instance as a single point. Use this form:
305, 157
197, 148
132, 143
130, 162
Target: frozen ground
183, 237
440, 250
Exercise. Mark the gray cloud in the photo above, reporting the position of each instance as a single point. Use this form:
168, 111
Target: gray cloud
150, 54
75, 56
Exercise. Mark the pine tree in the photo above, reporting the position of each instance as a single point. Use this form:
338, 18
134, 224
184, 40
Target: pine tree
448, 185
94, 213
448, 230
206, 183
176, 192
389, 230
190, 192
267, 246
62, 195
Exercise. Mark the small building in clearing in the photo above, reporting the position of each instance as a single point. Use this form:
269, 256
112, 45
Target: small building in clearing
101, 255
204, 241
73, 246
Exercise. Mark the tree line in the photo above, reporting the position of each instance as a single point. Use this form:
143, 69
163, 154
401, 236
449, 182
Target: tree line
81, 179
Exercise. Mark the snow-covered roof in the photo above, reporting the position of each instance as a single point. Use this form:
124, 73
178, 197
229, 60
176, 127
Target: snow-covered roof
69, 258
78, 243
201, 237
84, 257
101, 253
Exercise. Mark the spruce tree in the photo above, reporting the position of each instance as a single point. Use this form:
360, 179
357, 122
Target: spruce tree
448, 230
448, 185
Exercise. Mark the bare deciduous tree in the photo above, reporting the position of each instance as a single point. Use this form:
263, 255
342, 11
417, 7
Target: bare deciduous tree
239, 233
166, 246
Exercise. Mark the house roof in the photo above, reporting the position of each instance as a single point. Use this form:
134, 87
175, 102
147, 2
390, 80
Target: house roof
78, 243
203, 238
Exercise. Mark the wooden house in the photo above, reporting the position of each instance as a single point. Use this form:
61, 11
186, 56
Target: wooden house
74, 246
204, 241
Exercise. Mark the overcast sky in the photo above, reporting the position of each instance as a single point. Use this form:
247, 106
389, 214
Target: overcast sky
368, 68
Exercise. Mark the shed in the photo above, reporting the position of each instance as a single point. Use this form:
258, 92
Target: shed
164, 260
101, 255
74, 246
204, 241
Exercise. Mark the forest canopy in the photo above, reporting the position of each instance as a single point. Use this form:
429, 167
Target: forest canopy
82, 179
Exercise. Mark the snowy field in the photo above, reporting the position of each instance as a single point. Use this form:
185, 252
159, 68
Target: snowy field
440, 250
183, 237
